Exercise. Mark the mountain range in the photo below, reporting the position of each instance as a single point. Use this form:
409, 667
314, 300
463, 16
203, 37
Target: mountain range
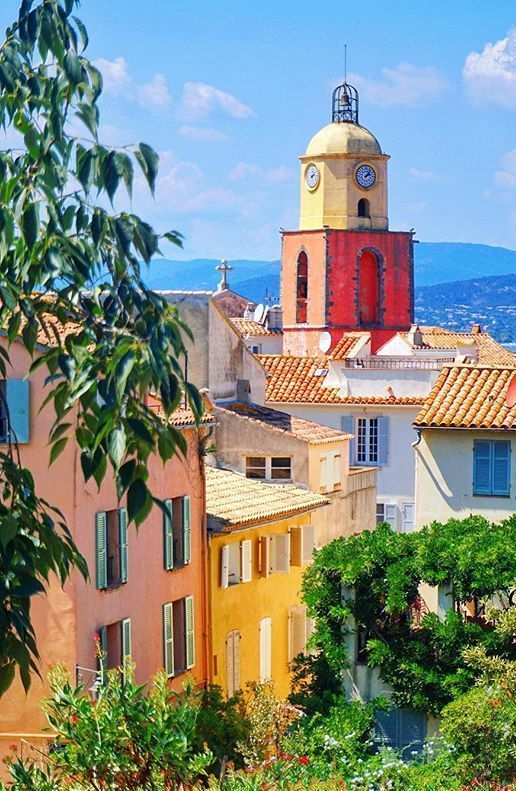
456, 283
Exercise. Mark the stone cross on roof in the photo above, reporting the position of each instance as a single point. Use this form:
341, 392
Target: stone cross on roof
224, 268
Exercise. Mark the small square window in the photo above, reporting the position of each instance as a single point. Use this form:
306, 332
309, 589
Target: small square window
380, 513
255, 467
280, 468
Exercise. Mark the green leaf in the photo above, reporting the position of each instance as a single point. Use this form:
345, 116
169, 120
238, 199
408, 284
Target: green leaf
30, 219
140, 429
139, 501
89, 115
85, 169
73, 68
111, 170
148, 160
57, 448
116, 446
123, 369
9, 527
82, 32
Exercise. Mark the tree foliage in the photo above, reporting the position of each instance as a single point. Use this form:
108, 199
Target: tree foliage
373, 581
72, 290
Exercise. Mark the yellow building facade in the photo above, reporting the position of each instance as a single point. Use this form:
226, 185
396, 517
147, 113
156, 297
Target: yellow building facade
260, 542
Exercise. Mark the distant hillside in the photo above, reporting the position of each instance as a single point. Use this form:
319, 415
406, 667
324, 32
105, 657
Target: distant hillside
488, 301
445, 262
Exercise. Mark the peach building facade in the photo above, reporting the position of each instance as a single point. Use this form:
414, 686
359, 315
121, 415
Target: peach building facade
135, 584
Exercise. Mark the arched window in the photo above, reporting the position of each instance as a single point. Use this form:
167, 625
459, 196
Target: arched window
364, 209
369, 288
301, 288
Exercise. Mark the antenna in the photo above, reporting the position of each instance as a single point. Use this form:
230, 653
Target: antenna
258, 313
345, 62
324, 342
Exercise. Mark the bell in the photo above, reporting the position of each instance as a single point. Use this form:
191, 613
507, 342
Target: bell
344, 100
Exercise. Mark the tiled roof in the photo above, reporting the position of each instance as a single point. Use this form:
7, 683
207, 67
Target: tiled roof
347, 343
305, 430
248, 327
234, 501
489, 351
300, 380
183, 418
470, 396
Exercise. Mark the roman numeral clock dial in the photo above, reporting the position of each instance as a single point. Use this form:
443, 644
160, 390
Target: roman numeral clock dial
365, 177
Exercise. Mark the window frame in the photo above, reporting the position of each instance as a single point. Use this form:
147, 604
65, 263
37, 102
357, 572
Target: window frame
492, 444
366, 437
268, 468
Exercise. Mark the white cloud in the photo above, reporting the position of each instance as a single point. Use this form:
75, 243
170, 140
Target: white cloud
427, 175
155, 94
201, 133
200, 99
404, 85
115, 75
507, 176
490, 76
244, 170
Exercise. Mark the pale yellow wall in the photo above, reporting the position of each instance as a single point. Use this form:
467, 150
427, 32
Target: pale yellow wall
444, 477
335, 200
243, 606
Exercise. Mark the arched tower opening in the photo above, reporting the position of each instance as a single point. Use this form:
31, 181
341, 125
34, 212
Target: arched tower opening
369, 291
364, 208
302, 288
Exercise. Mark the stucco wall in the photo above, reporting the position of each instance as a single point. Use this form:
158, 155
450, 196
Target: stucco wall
444, 477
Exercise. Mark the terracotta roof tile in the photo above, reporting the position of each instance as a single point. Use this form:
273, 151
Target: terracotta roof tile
305, 430
234, 501
347, 344
470, 396
300, 380
248, 327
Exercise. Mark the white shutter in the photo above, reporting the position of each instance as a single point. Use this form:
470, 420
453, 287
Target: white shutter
280, 553
326, 474
189, 632
265, 649
246, 560
391, 515
407, 513
224, 566
232, 662
336, 459
308, 542
265, 556
296, 632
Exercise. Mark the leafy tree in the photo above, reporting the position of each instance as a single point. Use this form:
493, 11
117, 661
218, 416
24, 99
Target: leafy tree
315, 686
71, 278
221, 725
372, 581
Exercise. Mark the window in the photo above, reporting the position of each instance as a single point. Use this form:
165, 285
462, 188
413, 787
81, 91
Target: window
177, 532
362, 654
115, 642
271, 468
401, 729
407, 517
232, 662
363, 208
257, 348
111, 548
236, 563
14, 401
265, 649
302, 288
372, 440
302, 545
492, 467
178, 636
387, 512
369, 289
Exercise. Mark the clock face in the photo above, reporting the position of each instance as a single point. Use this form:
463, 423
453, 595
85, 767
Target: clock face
365, 176
312, 177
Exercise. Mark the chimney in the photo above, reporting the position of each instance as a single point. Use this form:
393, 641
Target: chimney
243, 390
476, 328
415, 336
275, 318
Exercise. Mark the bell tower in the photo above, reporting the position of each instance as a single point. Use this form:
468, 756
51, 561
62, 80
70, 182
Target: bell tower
343, 270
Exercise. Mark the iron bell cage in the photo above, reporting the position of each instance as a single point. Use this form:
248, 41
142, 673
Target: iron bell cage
345, 104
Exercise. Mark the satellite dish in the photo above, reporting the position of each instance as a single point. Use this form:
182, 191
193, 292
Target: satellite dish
510, 398
324, 342
258, 313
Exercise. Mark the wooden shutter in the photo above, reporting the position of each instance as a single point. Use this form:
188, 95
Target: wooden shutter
280, 553
168, 639
325, 473
501, 468
265, 556
232, 662
348, 426
412, 726
391, 515
246, 560
296, 631
101, 550
482, 467
187, 529
168, 536
308, 543
383, 440
224, 566
126, 645
407, 515
189, 632
336, 471
265, 649
122, 543
296, 546
17, 397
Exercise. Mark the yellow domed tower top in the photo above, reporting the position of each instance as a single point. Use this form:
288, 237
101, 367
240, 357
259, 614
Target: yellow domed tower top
344, 172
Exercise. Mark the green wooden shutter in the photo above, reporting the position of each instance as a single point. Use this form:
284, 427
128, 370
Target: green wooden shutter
168, 537
187, 530
17, 397
101, 549
122, 543
103, 657
189, 632
126, 645
168, 639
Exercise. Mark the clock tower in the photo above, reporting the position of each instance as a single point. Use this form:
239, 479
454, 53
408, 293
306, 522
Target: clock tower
343, 270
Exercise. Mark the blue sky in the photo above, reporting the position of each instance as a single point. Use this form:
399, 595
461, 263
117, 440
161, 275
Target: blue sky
230, 93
